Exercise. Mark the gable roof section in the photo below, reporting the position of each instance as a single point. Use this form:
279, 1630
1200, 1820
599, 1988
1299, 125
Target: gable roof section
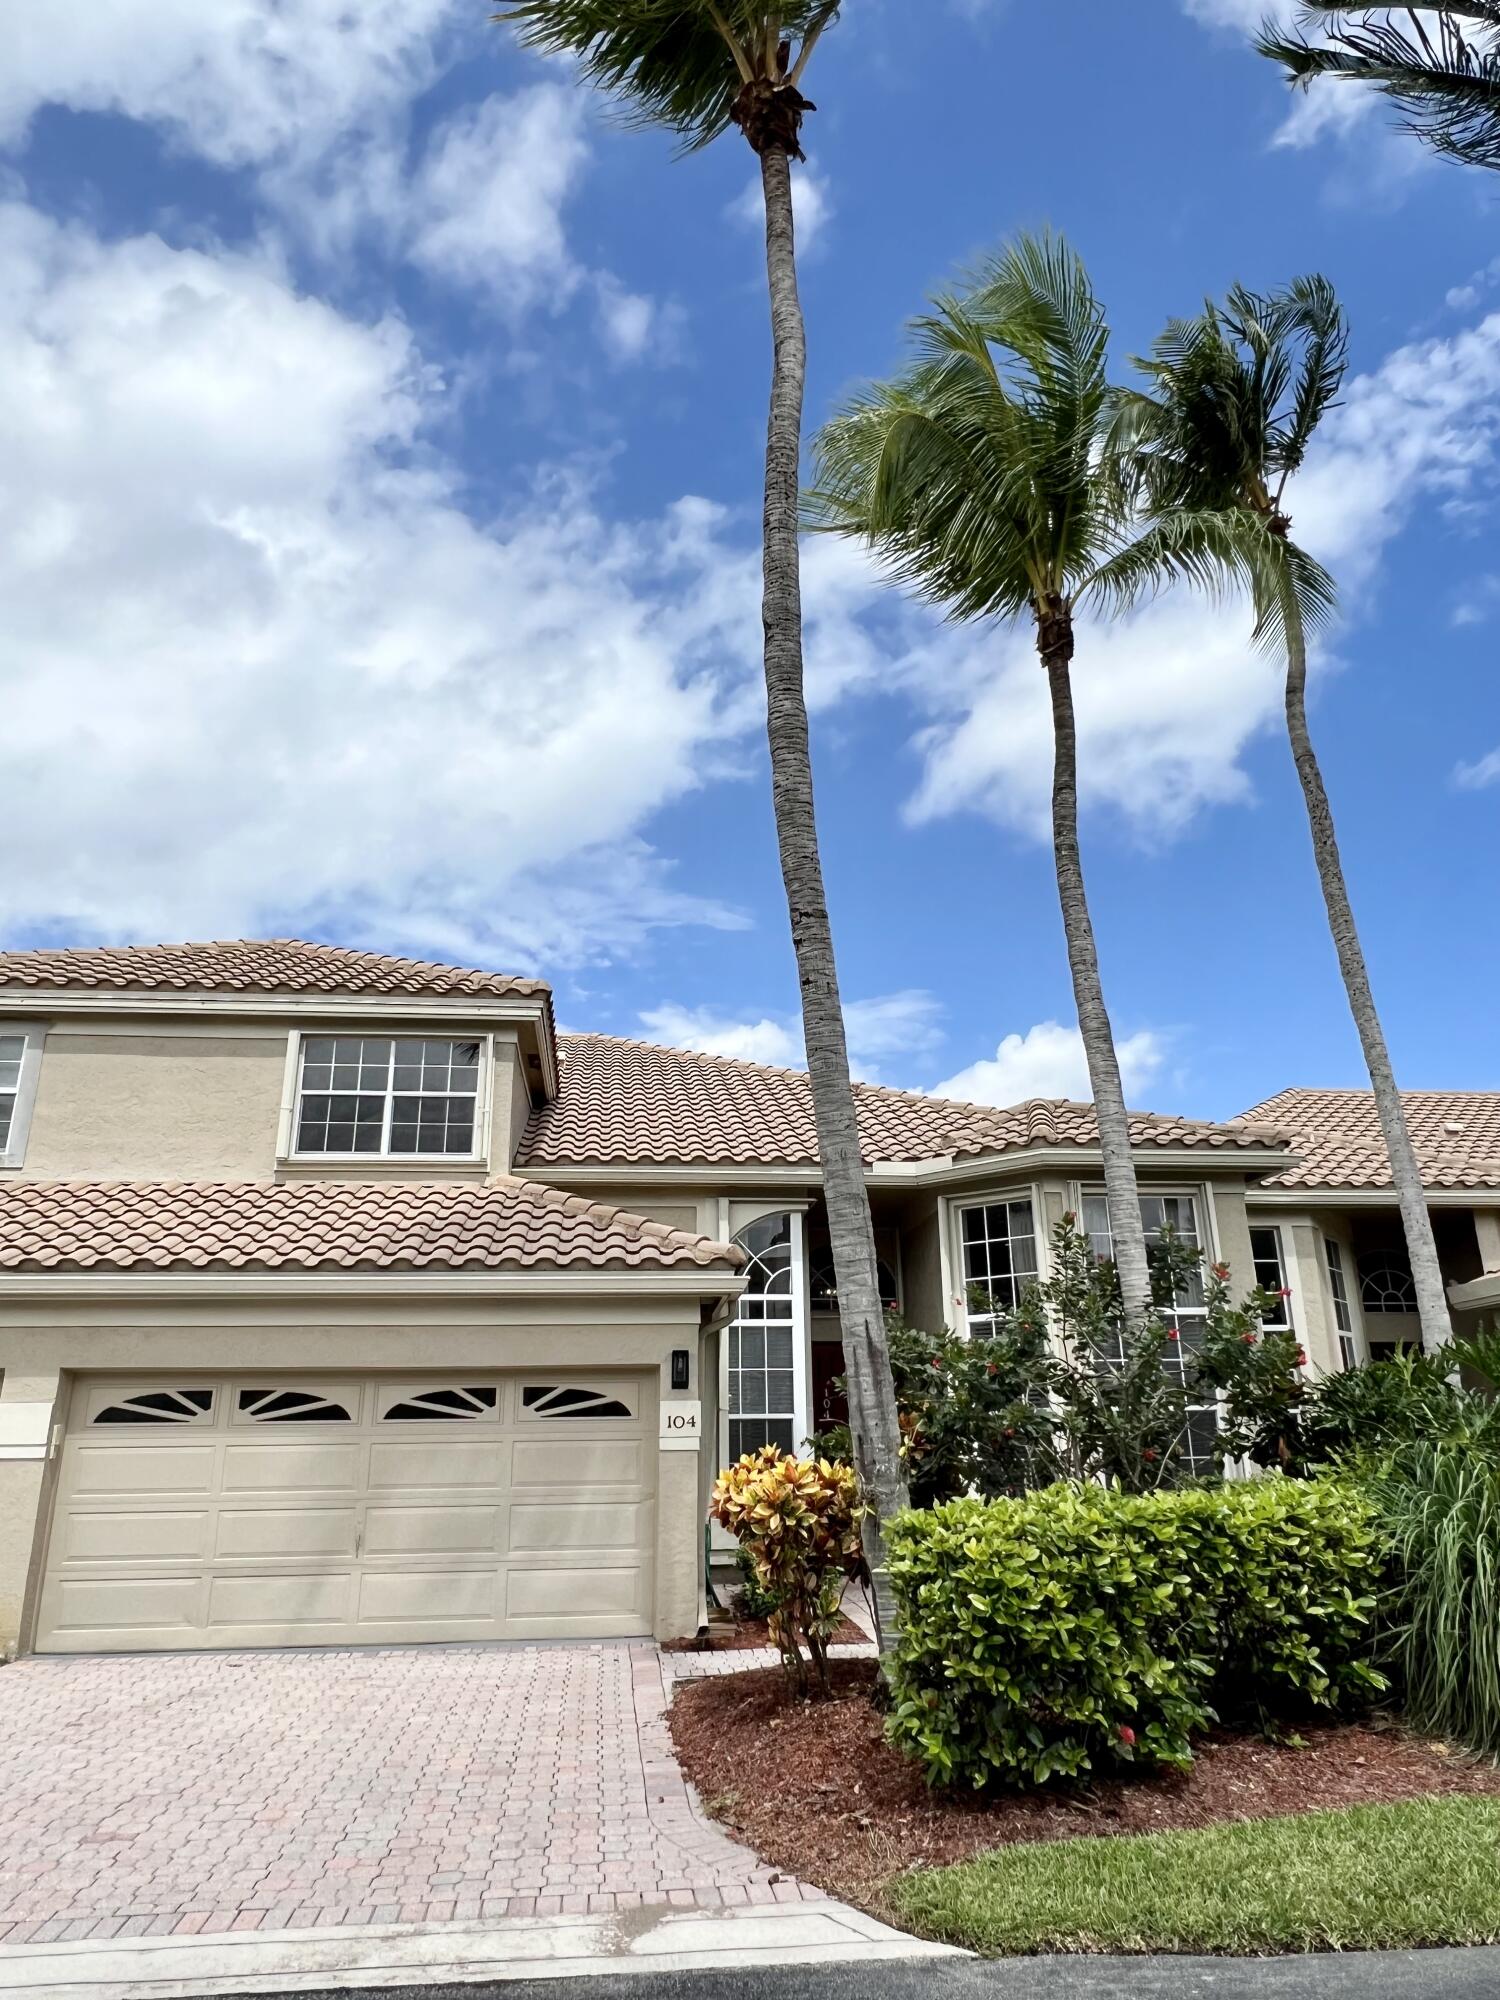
333, 1225
624, 1102
253, 965
1337, 1141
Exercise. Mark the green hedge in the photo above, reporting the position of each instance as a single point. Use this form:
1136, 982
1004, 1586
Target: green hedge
1079, 1628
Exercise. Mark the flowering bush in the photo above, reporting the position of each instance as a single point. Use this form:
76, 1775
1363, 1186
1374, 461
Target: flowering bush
798, 1521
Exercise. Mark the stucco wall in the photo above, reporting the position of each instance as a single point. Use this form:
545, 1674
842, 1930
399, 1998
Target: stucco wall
177, 1104
42, 1346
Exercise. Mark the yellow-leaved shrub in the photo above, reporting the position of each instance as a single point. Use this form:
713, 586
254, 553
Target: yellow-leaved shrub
798, 1521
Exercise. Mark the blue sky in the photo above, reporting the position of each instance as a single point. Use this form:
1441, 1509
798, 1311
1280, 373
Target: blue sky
378, 517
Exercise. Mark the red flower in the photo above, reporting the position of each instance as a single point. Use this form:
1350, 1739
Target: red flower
1149, 1455
1285, 1292
1126, 1734
992, 1368
1248, 1338
936, 1362
1301, 1357
1221, 1271
1173, 1334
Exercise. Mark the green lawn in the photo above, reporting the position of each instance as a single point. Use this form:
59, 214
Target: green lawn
1370, 1878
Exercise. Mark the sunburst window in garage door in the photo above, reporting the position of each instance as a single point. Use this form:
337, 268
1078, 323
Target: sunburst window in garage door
160, 1406
430, 1405
291, 1406
544, 1401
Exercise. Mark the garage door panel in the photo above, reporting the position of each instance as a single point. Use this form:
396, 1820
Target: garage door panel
269, 1466
286, 1531
435, 1596
572, 1595
207, 1516
137, 1534
576, 1525
433, 1531
285, 1605
101, 1469
90, 1608
576, 1462
435, 1464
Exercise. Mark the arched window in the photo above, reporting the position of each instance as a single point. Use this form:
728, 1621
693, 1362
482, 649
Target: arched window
762, 1402
1387, 1288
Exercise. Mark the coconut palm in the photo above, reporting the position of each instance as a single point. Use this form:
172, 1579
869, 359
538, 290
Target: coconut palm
1440, 65
699, 67
977, 476
1233, 400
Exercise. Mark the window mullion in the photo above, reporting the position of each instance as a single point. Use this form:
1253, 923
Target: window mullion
390, 1098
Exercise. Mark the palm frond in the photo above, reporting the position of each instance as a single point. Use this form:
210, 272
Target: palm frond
1446, 79
671, 62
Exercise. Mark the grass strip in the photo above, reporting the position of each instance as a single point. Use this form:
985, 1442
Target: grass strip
1366, 1878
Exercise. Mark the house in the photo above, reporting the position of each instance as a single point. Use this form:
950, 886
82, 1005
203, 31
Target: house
344, 1300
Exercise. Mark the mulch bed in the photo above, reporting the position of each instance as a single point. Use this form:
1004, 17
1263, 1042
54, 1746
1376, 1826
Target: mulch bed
744, 1633
815, 1788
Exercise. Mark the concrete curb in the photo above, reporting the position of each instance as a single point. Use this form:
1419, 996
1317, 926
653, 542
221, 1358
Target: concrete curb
651, 1940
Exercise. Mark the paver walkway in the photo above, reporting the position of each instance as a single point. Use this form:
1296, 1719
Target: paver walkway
210, 1792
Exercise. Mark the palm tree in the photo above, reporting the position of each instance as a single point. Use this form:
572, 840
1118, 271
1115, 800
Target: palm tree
1442, 71
1234, 398
977, 477
699, 67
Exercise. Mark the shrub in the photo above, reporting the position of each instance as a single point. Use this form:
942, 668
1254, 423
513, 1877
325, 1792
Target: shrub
1438, 1502
798, 1521
1081, 1628
754, 1602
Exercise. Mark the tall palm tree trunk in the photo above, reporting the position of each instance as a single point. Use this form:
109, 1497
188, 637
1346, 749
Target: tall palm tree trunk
1427, 1275
872, 1398
1055, 644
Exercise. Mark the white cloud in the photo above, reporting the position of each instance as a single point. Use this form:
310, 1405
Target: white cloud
1048, 1061
1474, 777
811, 202
316, 99
240, 82
903, 1027
769, 1040
261, 665
485, 204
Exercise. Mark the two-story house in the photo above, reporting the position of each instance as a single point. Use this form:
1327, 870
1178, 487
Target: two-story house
343, 1300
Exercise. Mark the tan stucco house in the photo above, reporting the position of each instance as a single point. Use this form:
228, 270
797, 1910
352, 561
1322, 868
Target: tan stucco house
343, 1300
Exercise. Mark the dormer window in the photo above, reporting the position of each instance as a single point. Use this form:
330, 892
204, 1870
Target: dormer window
399, 1097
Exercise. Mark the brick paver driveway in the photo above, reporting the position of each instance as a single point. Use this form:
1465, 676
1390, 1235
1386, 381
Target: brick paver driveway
256, 1791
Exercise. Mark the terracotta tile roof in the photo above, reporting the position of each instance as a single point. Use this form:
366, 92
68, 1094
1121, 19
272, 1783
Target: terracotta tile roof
623, 1101
252, 965
332, 1225
1336, 1137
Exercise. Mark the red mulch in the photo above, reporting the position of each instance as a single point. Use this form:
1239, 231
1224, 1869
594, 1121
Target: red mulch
815, 1788
747, 1632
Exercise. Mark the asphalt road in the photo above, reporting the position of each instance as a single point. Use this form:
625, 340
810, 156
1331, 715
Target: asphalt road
1397, 1975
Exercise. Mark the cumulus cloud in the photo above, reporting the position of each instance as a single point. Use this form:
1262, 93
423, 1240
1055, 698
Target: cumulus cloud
316, 100
1048, 1061
891, 1027
262, 662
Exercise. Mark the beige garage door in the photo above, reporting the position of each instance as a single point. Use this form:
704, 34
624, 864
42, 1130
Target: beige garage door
288, 1510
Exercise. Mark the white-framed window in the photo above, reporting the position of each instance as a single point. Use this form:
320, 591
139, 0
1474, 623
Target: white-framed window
20, 1065
397, 1096
1269, 1260
1000, 1261
1343, 1313
1186, 1317
761, 1400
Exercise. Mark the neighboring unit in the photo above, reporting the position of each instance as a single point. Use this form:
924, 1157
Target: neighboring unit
344, 1301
